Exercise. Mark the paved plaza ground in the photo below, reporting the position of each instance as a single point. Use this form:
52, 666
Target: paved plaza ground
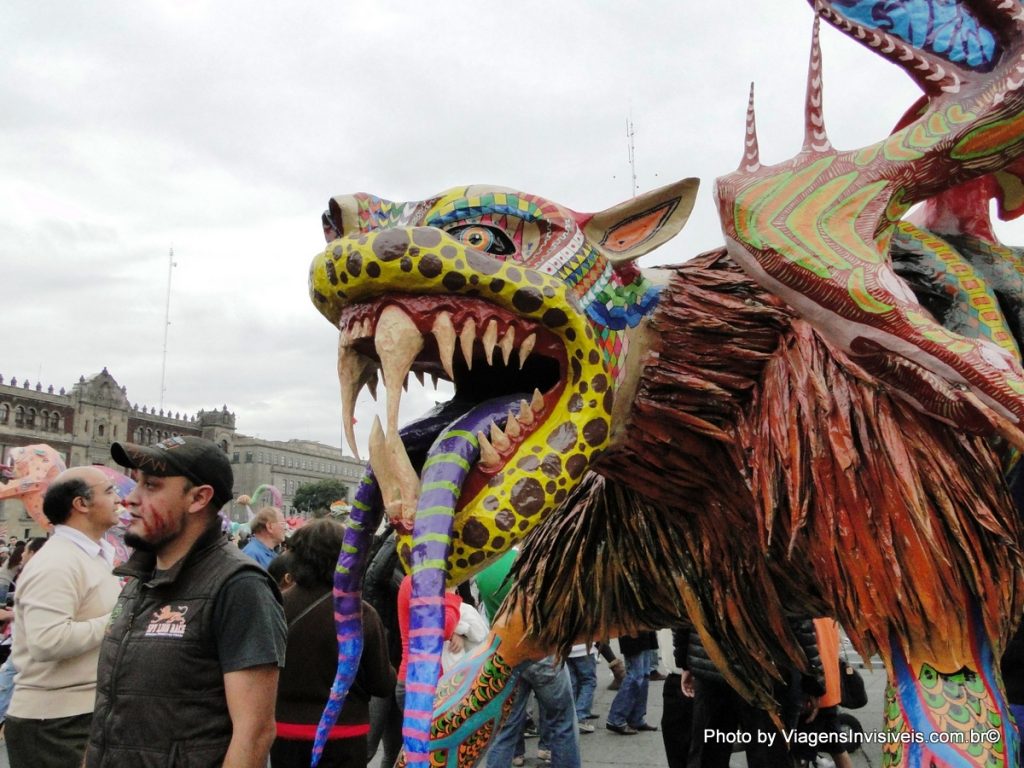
604, 749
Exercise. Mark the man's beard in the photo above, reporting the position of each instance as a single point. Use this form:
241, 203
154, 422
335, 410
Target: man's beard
135, 541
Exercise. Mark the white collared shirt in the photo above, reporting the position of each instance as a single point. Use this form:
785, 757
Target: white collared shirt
103, 548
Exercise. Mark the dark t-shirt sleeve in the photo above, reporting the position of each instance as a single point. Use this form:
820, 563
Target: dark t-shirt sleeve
248, 622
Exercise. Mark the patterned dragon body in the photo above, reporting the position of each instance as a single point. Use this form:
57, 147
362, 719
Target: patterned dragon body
714, 445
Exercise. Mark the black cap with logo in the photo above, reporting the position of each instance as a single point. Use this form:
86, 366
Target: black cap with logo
201, 461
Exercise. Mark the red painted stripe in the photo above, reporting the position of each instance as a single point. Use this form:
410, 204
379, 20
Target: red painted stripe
418, 687
307, 732
420, 657
426, 631
427, 600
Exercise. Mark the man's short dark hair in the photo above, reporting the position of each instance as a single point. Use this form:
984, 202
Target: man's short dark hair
60, 496
315, 548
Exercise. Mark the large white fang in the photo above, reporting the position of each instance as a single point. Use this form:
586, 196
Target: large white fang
466, 338
507, 343
354, 370
526, 348
408, 480
398, 342
490, 339
444, 332
390, 489
512, 428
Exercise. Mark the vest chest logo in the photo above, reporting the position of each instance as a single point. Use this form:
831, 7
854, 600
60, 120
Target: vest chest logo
168, 622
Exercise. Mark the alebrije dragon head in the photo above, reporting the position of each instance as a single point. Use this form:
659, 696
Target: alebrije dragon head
507, 295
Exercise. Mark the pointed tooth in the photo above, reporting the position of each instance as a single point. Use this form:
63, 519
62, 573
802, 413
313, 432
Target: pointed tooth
419, 378
489, 457
512, 428
405, 476
526, 348
444, 332
537, 403
353, 372
433, 380
466, 338
525, 413
372, 383
490, 339
398, 342
381, 464
498, 439
367, 328
507, 344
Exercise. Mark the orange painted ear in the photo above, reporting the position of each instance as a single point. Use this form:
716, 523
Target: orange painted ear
629, 230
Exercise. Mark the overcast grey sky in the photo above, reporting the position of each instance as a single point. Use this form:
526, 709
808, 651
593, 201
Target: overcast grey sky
222, 128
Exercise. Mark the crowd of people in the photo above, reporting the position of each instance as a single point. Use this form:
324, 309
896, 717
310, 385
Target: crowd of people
199, 650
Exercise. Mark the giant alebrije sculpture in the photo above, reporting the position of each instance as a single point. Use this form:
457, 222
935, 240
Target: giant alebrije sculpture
780, 426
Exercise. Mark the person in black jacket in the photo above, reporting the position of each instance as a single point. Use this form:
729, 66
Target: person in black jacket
312, 658
717, 707
380, 589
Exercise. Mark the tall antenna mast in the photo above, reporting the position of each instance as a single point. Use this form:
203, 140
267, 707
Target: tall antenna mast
630, 133
171, 264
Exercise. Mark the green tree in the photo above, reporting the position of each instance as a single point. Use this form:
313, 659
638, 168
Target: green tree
316, 498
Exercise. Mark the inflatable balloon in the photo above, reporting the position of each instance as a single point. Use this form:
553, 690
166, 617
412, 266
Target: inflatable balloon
27, 477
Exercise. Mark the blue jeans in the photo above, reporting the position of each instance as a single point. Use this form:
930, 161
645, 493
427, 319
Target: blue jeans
553, 689
7, 673
629, 707
583, 670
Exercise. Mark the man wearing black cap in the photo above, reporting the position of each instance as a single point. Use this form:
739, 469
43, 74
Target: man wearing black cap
189, 664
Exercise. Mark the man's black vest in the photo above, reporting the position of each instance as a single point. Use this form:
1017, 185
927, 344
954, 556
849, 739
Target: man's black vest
160, 690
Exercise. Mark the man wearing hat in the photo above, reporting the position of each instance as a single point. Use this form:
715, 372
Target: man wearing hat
189, 664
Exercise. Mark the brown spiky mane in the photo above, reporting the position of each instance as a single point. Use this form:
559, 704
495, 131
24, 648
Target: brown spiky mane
763, 475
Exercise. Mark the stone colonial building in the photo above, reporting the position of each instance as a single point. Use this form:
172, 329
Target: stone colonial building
81, 424
287, 465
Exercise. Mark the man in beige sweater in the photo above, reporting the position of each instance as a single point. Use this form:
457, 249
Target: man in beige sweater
62, 605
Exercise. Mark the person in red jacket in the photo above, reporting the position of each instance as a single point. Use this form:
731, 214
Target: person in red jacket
452, 604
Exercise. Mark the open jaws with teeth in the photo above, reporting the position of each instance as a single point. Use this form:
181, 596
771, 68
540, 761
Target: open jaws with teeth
397, 343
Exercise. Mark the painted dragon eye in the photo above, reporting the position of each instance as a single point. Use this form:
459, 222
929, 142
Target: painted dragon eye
484, 238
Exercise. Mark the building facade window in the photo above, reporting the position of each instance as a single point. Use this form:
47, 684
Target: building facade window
55, 422
100, 429
30, 418
5, 413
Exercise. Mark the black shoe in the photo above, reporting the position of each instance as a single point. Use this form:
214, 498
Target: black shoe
642, 727
591, 717
656, 676
622, 730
